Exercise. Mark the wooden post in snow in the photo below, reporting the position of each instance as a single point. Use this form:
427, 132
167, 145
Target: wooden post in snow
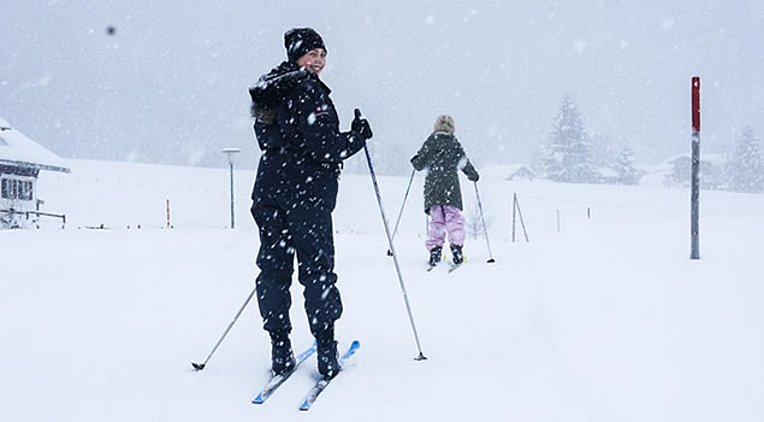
168, 213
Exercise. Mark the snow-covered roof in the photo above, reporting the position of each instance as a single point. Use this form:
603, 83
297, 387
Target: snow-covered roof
607, 172
503, 171
17, 149
714, 158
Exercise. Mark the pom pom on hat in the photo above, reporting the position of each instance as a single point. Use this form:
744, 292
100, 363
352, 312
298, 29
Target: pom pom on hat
444, 123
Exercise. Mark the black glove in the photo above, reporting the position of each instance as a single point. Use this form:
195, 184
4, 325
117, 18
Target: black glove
360, 126
474, 177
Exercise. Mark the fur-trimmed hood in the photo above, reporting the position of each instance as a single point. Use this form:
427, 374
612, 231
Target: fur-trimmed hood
272, 87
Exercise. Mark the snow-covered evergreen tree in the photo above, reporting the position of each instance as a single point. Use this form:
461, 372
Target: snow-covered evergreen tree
551, 162
567, 157
628, 174
745, 170
604, 151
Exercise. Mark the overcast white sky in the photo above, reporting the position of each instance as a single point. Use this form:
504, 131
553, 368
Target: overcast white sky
171, 85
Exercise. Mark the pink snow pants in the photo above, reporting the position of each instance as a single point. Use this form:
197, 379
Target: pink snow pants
445, 219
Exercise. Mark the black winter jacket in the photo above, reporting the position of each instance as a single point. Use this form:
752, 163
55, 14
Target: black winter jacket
442, 156
297, 127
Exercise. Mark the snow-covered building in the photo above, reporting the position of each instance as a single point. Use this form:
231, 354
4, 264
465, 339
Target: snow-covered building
513, 172
21, 160
607, 175
678, 171
521, 172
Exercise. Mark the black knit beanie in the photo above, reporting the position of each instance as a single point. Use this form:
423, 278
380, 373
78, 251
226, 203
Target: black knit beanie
299, 41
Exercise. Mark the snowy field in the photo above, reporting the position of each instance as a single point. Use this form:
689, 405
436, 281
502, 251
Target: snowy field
606, 319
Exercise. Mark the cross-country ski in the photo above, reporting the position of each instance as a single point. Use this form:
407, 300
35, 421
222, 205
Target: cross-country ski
323, 382
275, 381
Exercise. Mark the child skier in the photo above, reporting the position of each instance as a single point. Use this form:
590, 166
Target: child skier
442, 155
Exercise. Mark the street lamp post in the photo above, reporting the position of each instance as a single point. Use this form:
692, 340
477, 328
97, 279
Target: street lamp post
229, 152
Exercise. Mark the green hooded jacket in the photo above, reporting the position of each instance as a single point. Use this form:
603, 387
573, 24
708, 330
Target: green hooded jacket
442, 156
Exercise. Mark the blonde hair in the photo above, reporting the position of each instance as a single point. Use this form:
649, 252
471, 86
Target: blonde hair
444, 123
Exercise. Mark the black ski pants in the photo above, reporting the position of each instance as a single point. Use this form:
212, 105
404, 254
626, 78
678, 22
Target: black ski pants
301, 225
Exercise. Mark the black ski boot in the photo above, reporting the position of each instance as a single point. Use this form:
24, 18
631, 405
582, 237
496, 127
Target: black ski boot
282, 356
457, 256
435, 255
328, 366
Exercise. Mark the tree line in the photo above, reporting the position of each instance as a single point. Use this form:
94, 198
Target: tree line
572, 155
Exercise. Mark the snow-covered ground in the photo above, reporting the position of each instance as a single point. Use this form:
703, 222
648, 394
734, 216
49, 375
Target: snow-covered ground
606, 319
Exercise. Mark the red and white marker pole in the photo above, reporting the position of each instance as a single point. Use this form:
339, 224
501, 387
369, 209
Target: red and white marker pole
695, 181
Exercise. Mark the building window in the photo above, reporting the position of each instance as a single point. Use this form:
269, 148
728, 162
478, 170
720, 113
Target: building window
17, 189
26, 190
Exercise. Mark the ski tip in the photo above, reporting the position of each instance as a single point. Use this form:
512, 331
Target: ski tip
305, 406
258, 400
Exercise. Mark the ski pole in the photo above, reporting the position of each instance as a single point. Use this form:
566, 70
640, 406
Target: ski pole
400, 213
392, 248
200, 366
485, 228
